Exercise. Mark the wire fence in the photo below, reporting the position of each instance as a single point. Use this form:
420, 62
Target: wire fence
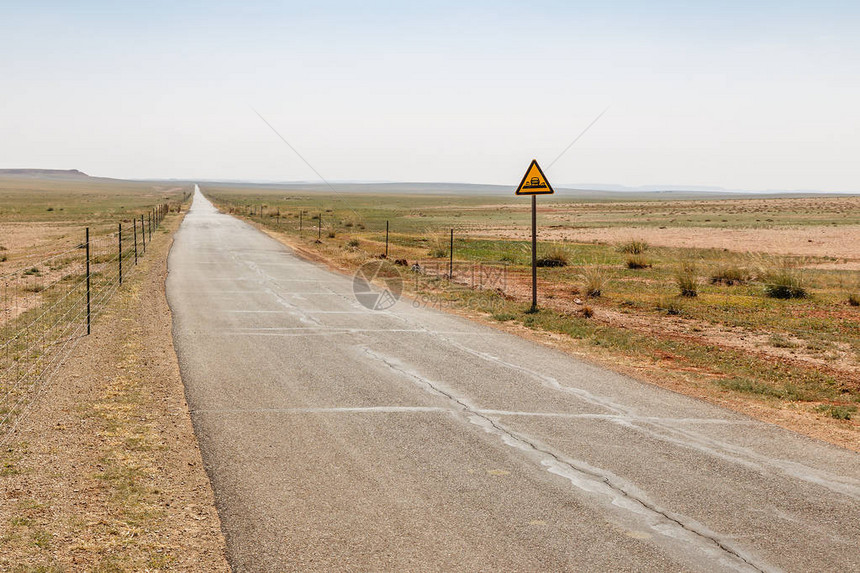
48, 305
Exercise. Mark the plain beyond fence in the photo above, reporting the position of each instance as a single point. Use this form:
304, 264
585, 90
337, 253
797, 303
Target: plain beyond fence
49, 304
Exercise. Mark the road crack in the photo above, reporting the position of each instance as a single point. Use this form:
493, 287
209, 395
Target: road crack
556, 463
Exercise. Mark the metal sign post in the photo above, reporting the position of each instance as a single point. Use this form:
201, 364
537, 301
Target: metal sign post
534, 253
534, 183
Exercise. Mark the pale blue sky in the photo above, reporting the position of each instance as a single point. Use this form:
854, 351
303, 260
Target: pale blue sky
750, 95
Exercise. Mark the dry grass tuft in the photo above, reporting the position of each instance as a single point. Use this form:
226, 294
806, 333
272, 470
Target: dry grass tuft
594, 279
555, 257
634, 247
784, 281
687, 279
729, 274
438, 242
670, 305
637, 262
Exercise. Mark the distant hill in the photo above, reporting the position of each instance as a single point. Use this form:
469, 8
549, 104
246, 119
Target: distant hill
44, 173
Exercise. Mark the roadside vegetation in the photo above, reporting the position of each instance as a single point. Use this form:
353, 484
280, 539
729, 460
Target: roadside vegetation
720, 322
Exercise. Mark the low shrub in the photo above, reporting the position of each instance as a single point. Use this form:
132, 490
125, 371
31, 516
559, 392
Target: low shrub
554, 257
594, 279
438, 242
729, 275
634, 247
837, 412
504, 316
784, 282
353, 243
780, 341
854, 299
784, 286
670, 305
638, 262
687, 279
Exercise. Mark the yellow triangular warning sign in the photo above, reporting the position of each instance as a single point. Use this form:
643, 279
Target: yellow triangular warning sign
534, 182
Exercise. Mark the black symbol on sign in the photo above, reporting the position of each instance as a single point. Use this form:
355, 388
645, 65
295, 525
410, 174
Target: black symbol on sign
535, 183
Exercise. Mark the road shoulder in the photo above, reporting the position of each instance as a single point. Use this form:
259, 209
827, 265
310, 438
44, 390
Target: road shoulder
105, 472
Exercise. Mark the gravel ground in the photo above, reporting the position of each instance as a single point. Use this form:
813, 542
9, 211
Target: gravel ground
105, 472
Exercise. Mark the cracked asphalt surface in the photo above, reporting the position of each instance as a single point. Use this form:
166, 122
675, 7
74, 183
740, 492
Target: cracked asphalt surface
342, 438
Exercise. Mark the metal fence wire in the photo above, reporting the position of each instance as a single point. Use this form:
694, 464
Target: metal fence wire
48, 305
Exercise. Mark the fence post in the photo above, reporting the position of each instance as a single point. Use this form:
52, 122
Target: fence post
134, 221
89, 315
386, 239
301, 212
451, 260
319, 228
143, 234
150, 226
119, 235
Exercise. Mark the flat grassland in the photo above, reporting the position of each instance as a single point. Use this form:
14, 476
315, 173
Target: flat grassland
42, 231
751, 303
40, 216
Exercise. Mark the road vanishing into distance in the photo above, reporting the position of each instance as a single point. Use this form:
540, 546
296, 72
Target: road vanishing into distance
343, 438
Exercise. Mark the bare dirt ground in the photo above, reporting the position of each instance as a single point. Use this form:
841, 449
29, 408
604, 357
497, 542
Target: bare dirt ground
814, 241
24, 242
105, 473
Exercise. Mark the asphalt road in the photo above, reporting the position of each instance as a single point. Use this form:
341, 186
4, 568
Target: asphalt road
342, 438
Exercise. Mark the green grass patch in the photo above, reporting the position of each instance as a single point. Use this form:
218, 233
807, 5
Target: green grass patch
837, 412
